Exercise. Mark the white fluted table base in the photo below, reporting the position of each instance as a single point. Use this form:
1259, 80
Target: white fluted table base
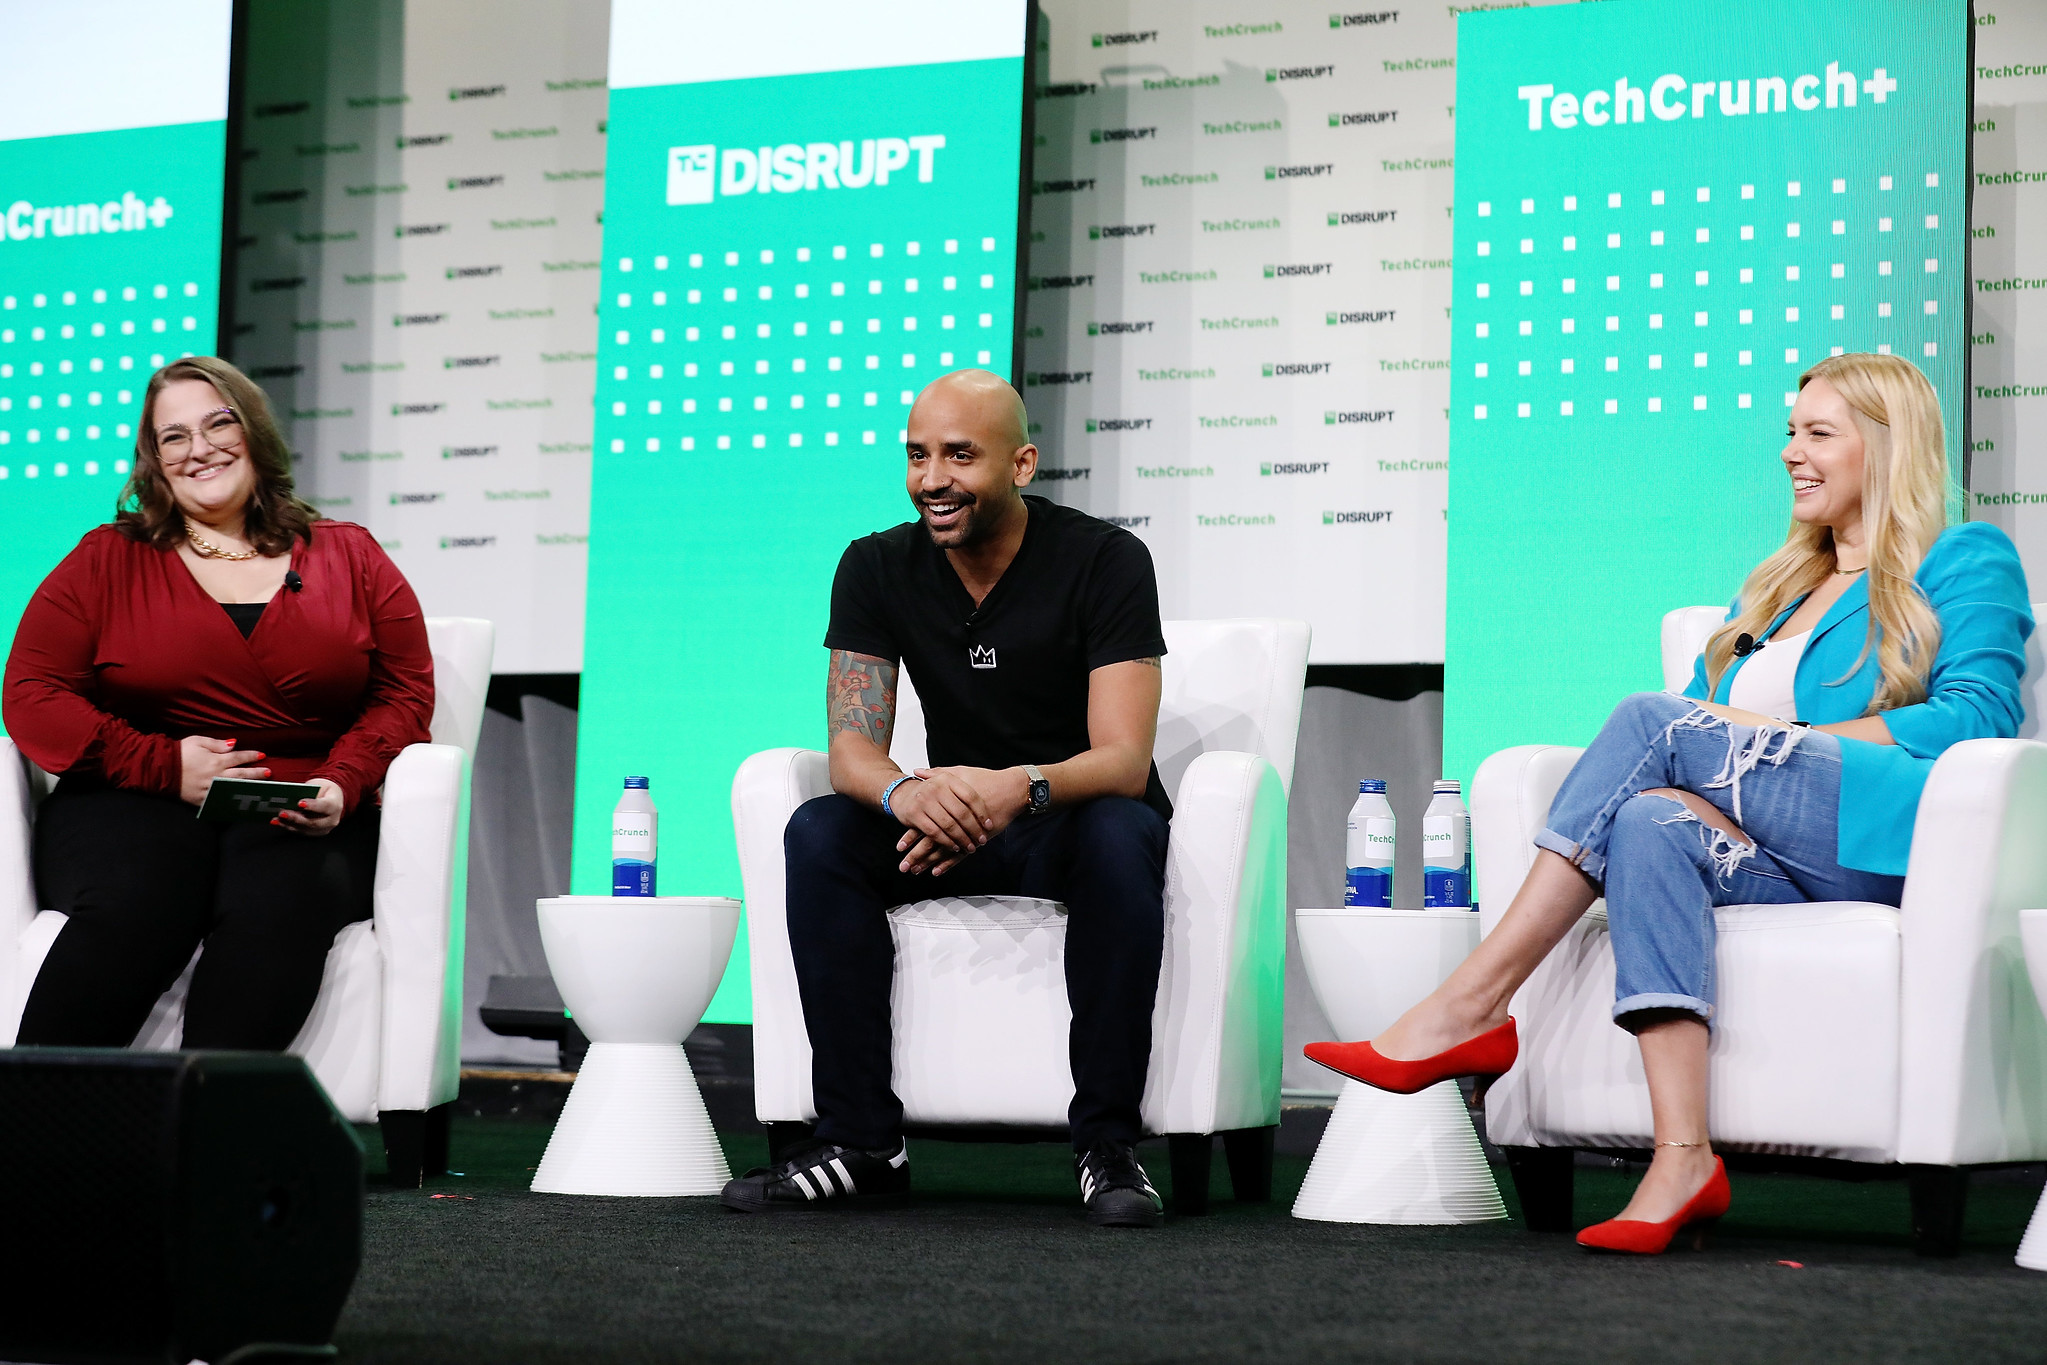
1400, 1159
2033, 1246
634, 1124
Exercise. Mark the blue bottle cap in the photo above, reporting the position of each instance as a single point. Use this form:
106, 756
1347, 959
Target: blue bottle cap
1373, 784
636, 782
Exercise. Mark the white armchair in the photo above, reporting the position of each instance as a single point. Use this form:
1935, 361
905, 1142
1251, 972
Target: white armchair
1848, 1035
383, 1035
983, 976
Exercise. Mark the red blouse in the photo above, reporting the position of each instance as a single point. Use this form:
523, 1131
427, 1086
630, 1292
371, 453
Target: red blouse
121, 654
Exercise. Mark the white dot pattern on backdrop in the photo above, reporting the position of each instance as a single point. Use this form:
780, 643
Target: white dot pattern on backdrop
70, 345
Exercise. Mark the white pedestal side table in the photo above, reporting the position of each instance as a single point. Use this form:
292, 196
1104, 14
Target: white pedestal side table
2033, 934
636, 973
1388, 1158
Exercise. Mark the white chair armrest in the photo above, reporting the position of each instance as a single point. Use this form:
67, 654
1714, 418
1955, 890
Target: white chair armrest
1216, 1029
1510, 799
1973, 1057
422, 879
17, 881
766, 791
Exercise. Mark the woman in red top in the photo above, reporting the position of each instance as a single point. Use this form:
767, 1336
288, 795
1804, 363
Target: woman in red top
215, 629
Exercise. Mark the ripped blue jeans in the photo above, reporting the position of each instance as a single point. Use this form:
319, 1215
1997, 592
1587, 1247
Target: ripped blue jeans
1663, 870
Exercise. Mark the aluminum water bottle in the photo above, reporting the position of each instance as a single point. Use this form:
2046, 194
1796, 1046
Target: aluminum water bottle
1368, 848
1446, 850
632, 841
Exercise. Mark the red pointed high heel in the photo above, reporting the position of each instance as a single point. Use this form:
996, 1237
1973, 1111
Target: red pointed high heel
1652, 1239
1487, 1056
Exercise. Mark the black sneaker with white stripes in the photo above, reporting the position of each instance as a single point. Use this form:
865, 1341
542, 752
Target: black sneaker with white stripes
823, 1176
1115, 1188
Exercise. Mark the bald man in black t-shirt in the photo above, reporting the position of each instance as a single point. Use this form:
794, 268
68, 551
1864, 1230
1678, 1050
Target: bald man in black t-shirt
1033, 633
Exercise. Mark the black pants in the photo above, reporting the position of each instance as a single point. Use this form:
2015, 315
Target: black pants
145, 883
1105, 859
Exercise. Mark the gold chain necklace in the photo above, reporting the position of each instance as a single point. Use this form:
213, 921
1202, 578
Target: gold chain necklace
206, 549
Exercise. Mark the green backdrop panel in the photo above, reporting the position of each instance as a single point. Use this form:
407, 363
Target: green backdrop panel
86, 314
1636, 300
755, 364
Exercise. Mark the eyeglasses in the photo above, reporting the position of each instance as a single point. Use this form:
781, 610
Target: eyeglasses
220, 429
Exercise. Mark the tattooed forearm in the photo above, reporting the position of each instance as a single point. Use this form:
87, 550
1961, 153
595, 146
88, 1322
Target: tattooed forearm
861, 697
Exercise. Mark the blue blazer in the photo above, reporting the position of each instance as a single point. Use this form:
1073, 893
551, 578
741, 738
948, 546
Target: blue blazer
1973, 578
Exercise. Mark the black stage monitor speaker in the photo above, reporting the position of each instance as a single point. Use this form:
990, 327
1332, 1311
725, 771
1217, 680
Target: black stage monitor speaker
170, 1206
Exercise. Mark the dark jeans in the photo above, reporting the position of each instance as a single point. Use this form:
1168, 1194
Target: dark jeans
1105, 859
145, 883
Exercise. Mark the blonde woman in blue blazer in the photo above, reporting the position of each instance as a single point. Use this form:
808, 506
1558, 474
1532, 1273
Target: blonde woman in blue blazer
1790, 770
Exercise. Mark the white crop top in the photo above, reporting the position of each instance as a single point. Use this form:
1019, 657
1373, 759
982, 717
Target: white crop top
1764, 683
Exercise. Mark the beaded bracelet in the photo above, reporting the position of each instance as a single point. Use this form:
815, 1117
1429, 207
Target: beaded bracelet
890, 790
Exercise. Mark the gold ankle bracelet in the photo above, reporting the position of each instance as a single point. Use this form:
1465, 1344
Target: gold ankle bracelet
1685, 1144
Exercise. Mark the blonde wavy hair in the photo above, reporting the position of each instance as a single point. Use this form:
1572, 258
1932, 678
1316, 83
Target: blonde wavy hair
1904, 510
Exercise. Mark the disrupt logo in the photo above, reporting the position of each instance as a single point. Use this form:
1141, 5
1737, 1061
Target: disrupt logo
278, 196
1057, 475
1062, 186
1101, 135
1294, 467
1345, 319
276, 371
406, 499
1060, 282
467, 362
1296, 368
1119, 424
474, 182
1116, 329
1384, 16
415, 409
1337, 419
425, 140
467, 542
1128, 522
466, 452
1112, 230
1351, 120
1298, 73
1364, 216
1626, 103
420, 229
1125, 39
1306, 172
698, 174
1285, 272
417, 319
473, 272
1049, 378
473, 92
1355, 518
126, 214
273, 286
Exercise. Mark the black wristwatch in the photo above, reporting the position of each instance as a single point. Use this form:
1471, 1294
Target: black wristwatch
1041, 791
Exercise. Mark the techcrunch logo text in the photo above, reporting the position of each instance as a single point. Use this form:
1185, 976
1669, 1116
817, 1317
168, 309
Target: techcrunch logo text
126, 214
1236, 519
698, 174
1175, 471
1673, 96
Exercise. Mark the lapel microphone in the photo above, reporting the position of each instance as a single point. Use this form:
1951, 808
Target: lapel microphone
293, 582
1746, 644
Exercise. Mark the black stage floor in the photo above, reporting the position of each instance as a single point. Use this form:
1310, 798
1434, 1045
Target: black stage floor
992, 1263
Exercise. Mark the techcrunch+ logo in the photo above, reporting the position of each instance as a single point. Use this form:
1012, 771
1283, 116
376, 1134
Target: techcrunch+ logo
699, 174
1627, 103
126, 214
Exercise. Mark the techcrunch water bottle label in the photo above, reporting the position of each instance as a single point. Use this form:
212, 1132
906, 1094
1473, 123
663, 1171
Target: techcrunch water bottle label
632, 841
1446, 850
1368, 848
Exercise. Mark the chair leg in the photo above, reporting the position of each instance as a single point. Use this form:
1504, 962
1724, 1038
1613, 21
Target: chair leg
1543, 1178
405, 1144
1190, 1155
1248, 1151
1940, 1196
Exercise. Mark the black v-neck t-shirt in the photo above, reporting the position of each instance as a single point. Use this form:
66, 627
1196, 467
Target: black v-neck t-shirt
1007, 683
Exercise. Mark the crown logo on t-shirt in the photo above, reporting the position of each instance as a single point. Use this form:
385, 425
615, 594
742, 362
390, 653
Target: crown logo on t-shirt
981, 656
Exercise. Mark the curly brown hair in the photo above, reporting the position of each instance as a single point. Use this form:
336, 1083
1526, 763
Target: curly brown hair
275, 515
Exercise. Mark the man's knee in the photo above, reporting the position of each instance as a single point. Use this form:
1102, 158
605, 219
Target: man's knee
825, 825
